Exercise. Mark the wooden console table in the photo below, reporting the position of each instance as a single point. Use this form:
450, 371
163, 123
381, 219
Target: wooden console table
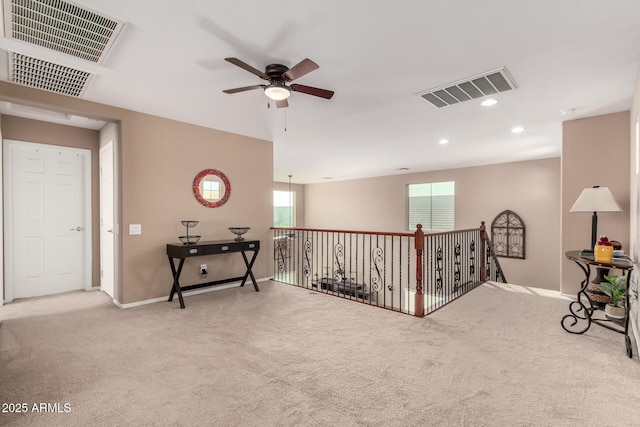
181, 252
583, 308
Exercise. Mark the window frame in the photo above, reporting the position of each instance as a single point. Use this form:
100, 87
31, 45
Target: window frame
291, 199
428, 226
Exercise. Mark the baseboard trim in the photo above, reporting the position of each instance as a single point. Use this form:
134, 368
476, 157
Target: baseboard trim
570, 296
185, 294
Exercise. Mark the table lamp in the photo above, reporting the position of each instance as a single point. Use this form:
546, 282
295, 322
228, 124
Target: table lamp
595, 199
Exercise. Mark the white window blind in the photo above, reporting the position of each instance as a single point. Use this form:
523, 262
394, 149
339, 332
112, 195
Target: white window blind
432, 205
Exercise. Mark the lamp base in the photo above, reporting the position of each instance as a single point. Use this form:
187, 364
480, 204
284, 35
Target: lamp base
600, 273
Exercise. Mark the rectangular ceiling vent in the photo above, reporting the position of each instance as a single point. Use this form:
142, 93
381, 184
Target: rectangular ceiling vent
61, 26
465, 90
45, 75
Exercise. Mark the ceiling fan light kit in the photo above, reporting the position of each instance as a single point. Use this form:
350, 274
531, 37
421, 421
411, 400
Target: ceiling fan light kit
278, 76
277, 92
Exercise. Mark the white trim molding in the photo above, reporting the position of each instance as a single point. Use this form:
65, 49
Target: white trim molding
185, 294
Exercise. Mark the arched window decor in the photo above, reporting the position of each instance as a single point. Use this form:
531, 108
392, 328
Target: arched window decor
507, 235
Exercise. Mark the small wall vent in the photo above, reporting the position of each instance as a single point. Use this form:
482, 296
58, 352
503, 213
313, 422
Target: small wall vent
45, 75
61, 26
465, 90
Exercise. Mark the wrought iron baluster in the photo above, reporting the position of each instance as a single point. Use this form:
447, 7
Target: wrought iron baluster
377, 258
488, 262
456, 263
472, 257
439, 281
338, 252
281, 260
307, 258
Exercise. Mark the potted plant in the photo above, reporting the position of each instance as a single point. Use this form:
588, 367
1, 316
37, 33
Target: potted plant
615, 287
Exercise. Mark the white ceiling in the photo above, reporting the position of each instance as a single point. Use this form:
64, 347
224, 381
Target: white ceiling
376, 55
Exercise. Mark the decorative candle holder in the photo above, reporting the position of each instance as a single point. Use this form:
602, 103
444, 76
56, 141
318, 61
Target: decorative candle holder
186, 239
239, 231
603, 250
603, 253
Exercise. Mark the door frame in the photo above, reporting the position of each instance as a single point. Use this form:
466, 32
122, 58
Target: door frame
88, 223
101, 153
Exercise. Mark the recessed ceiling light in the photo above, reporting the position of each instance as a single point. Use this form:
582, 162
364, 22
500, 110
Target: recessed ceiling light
489, 102
403, 169
443, 141
327, 177
568, 111
517, 129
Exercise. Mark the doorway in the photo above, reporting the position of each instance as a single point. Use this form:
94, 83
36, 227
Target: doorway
47, 219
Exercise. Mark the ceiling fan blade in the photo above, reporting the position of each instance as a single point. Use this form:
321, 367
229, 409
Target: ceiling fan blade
283, 103
303, 67
309, 90
249, 68
243, 89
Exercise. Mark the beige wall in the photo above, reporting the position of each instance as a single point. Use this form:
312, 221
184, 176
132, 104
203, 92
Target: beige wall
159, 158
1, 234
595, 151
635, 201
531, 189
21, 129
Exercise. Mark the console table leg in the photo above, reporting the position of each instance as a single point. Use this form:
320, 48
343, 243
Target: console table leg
249, 272
175, 287
578, 310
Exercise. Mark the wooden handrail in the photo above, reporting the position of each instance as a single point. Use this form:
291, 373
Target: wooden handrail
375, 233
378, 233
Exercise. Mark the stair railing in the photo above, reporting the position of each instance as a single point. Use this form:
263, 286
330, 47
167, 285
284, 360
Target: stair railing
412, 273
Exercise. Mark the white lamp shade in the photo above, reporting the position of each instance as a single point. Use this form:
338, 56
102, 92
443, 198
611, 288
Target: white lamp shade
596, 199
277, 93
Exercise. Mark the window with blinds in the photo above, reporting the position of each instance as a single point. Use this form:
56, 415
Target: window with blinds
284, 209
432, 205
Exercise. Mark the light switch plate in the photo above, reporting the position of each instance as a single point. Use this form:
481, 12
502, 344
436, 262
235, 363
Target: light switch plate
135, 229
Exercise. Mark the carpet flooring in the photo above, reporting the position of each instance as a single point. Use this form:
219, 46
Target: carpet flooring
286, 356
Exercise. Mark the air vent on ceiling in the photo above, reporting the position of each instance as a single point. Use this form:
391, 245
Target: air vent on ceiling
61, 26
468, 89
45, 75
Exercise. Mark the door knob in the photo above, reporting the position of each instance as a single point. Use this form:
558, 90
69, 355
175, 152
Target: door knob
110, 230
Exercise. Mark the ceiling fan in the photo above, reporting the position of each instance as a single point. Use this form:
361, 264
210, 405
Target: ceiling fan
278, 76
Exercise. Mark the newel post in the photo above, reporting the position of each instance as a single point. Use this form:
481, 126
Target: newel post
419, 298
483, 253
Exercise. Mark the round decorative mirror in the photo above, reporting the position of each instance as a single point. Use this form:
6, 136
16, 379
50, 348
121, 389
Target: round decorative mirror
211, 187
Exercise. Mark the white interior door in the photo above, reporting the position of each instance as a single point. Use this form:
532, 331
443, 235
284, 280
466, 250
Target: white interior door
107, 229
47, 216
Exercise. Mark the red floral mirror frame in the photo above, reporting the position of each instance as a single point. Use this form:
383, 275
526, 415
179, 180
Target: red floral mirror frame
198, 195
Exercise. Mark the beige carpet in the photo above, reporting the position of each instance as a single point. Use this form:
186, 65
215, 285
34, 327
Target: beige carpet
290, 357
